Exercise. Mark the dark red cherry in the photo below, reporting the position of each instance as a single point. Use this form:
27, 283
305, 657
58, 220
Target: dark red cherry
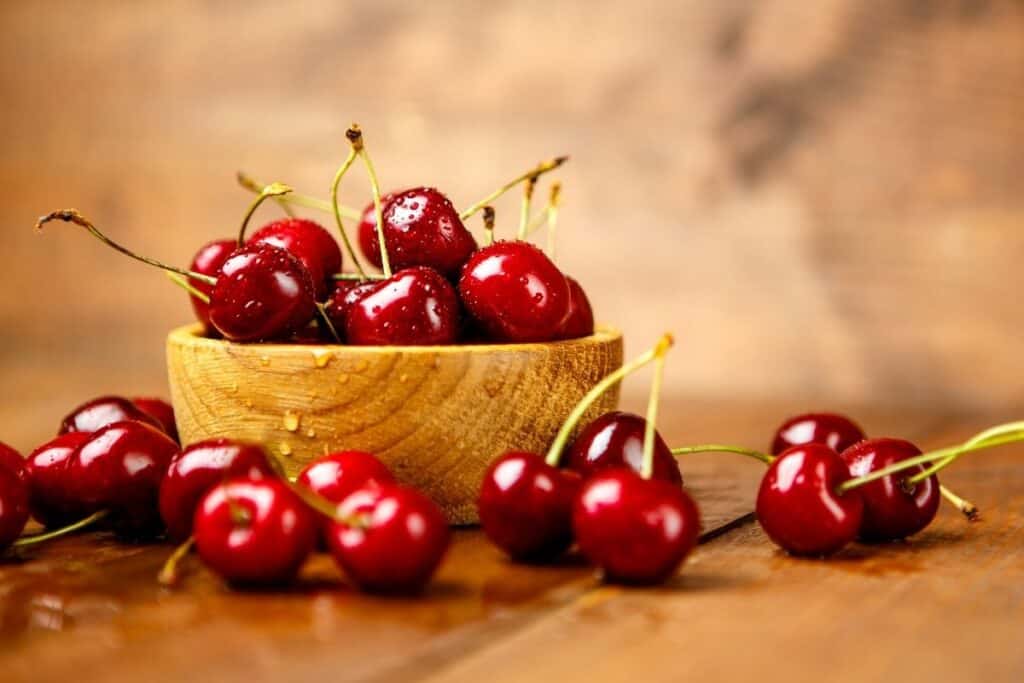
307, 241
392, 541
798, 506
102, 411
262, 293
838, 432
11, 459
346, 293
525, 506
13, 506
254, 531
208, 260
579, 321
161, 411
893, 509
421, 228
51, 493
336, 475
515, 292
416, 306
120, 469
199, 468
616, 439
636, 530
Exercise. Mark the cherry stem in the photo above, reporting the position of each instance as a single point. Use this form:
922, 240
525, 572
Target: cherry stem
987, 435
326, 321
534, 173
562, 438
73, 216
336, 210
187, 286
169, 575
271, 190
969, 509
355, 137
300, 199
488, 226
63, 531
552, 216
357, 276
720, 448
647, 466
250, 184
524, 209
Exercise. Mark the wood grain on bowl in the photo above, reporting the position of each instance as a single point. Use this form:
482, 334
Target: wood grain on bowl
436, 415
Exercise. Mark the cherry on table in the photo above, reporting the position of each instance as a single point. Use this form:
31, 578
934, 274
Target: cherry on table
14, 509
310, 243
161, 411
416, 306
102, 411
579, 321
207, 261
616, 439
838, 432
254, 531
52, 500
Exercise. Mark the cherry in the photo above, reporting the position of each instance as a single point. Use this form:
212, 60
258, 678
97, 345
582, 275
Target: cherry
346, 294
254, 531
637, 530
421, 228
161, 411
13, 506
51, 498
100, 412
307, 241
389, 539
579, 321
196, 470
799, 507
336, 475
838, 432
616, 439
207, 261
893, 508
120, 469
415, 306
11, 459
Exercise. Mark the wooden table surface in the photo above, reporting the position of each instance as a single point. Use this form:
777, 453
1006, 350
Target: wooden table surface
946, 605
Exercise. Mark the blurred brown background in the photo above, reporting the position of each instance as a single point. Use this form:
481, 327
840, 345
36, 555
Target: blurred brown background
821, 199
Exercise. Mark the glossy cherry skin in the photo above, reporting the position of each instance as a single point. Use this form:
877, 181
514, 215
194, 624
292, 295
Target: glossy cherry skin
838, 432
346, 293
161, 411
395, 542
199, 468
616, 439
254, 531
262, 293
637, 530
416, 306
525, 506
893, 509
11, 459
120, 469
52, 499
102, 411
797, 503
208, 261
13, 506
421, 228
515, 292
307, 241
336, 475
579, 321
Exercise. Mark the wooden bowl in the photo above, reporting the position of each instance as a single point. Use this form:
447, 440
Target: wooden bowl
437, 415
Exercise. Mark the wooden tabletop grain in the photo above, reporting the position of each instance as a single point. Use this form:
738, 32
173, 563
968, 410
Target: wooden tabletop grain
945, 605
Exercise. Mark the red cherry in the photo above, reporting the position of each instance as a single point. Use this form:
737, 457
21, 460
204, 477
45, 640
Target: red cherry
161, 411
515, 292
421, 228
262, 293
798, 506
208, 260
11, 459
616, 439
199, 468
120, 469
416, 306
637, 530
392, 541
100, 412
346, 294
893, 509
307, 241
336, 475
13, 506
525, 506
254, 531
51, 493
579, 321
835, 431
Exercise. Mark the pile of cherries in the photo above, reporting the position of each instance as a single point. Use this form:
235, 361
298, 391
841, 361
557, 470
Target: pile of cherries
284, 282
116, 464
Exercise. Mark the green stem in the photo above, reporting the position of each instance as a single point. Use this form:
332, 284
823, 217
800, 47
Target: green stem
271, 190
355, 136
969, 509
985, 436
357, 276
63, 531
524, 208
187, 286
336, 210
301, 199
250, 184
488, 226
552, 214
321, 311
720, 448
168, 575
647, 467
536, 172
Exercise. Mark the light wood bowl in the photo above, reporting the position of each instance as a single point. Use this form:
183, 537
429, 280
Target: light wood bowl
436, 415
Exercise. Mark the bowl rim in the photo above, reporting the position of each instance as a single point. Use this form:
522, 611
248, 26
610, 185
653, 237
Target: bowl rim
191, 335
